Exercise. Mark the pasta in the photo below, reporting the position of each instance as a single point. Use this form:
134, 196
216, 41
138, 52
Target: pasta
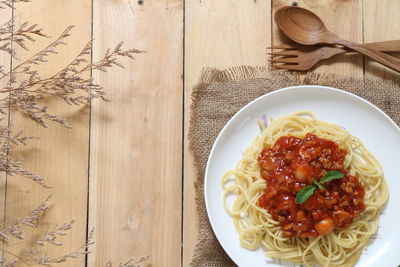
255, 225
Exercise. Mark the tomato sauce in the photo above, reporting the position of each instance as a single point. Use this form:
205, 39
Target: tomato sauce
291, 164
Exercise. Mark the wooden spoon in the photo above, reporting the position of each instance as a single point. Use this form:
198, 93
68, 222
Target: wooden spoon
305, 27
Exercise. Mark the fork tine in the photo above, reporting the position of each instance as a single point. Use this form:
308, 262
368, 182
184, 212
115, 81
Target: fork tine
285, 53
285, 60
287, 67
281, 46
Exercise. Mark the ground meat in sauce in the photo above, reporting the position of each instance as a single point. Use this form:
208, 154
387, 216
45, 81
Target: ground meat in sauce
290, 165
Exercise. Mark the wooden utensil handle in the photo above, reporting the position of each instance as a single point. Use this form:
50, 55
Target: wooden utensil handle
385, 46
376, 55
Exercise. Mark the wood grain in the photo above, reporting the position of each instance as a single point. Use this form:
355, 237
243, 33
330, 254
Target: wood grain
60, 155
381, 23
5, 61
332, 12
136, 140
218, 34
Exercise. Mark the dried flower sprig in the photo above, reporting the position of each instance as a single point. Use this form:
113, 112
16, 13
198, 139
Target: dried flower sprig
83, 250
129, 263
31, 220
33, 256
13, 166
5, 263
9, 35
39, 57
26, 87
9, 3
46, 260
50, 237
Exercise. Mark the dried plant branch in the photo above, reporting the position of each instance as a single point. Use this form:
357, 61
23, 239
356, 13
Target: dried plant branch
129, 263
50, 237
9, 35
5, 263
9, 3
13, 166
111, 58
46, 260
68, 81
31, 220
17, 257
26, 88
25, 32
39, 57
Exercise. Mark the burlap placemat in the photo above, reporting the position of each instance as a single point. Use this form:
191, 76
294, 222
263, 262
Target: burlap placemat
220, 94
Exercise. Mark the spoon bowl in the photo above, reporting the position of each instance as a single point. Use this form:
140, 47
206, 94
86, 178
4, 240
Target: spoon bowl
302, 26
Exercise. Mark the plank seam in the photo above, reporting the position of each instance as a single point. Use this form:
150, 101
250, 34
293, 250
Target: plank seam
362, 31
89, 142
183, 129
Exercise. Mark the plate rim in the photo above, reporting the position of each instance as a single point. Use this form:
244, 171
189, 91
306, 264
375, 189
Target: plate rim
289, 88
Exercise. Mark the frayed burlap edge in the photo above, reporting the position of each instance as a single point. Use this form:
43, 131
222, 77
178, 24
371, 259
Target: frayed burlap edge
208, 251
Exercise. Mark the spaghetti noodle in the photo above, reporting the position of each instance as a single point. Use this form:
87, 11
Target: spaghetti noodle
255, 225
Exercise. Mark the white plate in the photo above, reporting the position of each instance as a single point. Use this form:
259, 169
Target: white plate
364, 120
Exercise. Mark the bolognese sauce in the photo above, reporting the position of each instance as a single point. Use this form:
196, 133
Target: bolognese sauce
291, 164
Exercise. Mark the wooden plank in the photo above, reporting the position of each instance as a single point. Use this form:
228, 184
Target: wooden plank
218, 34
381, 23
5, 61
60, 155
341, 17
136, 140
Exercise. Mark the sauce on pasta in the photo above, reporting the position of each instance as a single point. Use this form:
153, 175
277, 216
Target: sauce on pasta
290, 165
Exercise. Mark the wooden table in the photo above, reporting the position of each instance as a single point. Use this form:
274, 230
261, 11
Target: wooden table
125, 168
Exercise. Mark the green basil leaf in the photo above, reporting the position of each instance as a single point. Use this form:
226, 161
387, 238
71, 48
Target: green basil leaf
304, 194
315, 181
330, 176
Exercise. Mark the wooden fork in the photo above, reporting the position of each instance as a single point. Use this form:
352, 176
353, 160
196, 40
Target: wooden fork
302, 57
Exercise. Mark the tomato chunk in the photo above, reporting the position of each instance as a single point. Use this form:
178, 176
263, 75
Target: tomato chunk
325, 226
